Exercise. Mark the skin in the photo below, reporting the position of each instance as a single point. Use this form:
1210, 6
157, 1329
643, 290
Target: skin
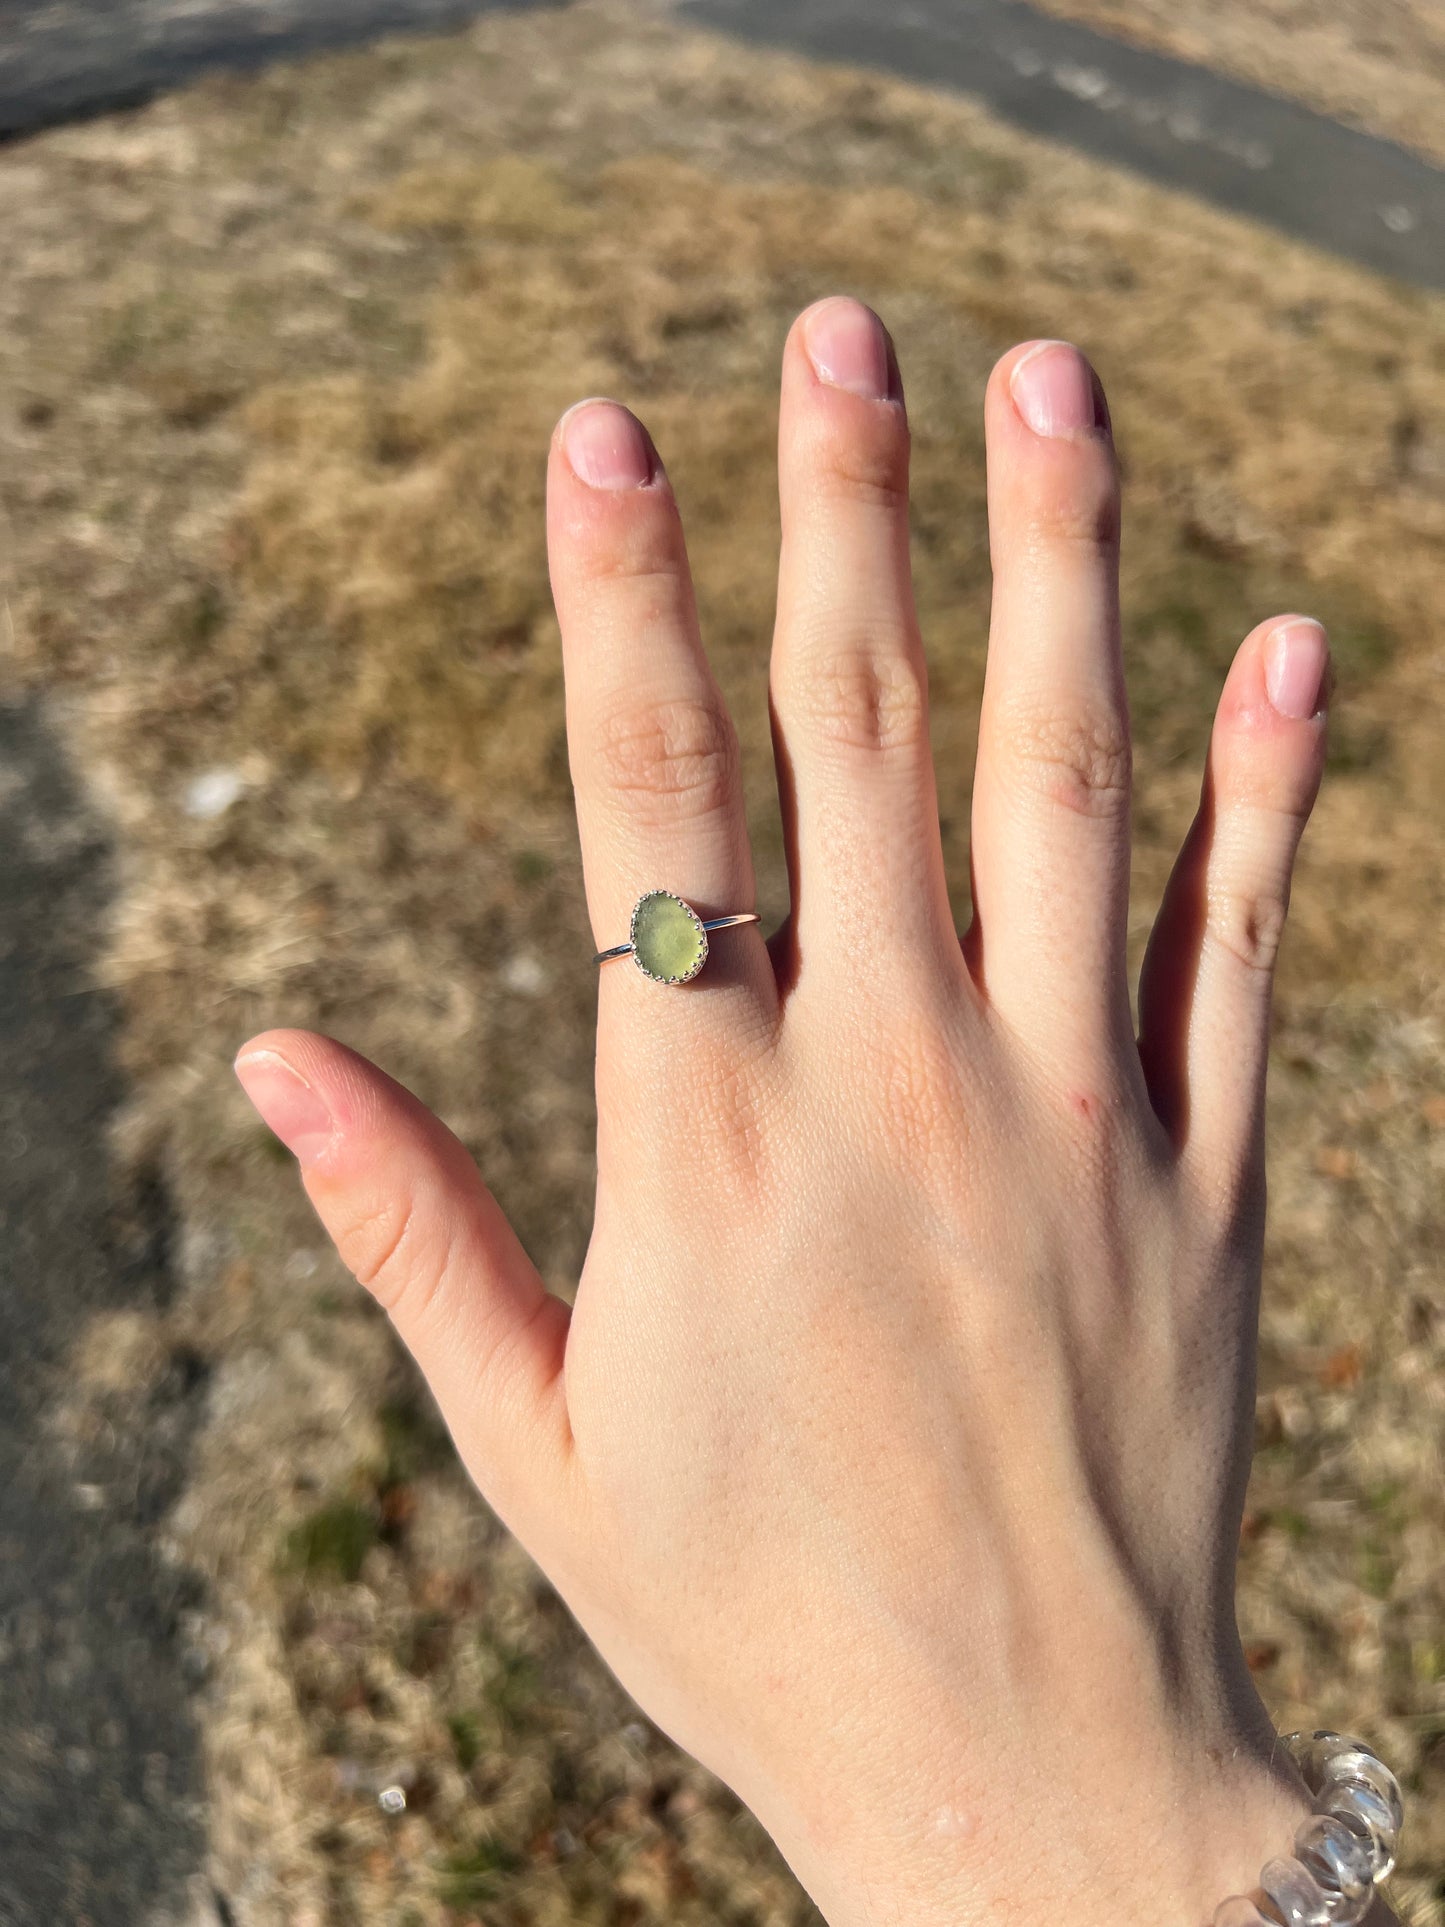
894, 1452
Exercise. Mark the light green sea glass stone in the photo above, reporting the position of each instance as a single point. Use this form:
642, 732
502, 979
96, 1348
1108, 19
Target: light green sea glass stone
669, 943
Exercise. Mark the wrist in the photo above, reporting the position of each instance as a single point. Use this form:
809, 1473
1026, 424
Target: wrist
1170, 1845
1115, 1811
1175, 1854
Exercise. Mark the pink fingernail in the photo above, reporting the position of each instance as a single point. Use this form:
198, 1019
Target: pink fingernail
287, 1104
848, 347
1295, 660
1053, 389
607, 446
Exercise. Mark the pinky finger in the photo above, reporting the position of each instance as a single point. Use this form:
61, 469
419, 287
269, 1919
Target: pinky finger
1204, 996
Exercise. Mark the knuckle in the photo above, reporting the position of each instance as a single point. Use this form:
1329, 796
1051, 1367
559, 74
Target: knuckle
1082, 510
642, 548
868, 700
867, 467
373, 1244
1080, 759
674, 759
1266, 803
406, 1263
1248, 926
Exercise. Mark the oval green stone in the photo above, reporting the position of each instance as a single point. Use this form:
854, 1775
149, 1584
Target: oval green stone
668, 941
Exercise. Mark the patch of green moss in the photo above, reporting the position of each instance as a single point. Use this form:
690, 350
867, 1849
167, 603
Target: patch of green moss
466, 1737
514, 1686
414, 1440
333, 1542
470, 1877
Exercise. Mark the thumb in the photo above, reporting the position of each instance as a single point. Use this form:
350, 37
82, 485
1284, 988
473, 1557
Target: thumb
411, 1218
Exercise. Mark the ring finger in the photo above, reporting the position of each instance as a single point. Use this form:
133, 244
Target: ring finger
1051, 792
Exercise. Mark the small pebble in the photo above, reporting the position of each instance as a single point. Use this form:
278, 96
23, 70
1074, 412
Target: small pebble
524, 975
213, 792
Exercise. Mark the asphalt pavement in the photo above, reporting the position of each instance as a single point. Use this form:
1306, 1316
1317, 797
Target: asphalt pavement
1240, 147
101, 1820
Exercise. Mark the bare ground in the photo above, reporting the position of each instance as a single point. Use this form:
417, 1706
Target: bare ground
280, 358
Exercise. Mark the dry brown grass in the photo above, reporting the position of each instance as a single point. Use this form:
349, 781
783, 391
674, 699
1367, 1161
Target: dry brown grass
284, 357
1376, 64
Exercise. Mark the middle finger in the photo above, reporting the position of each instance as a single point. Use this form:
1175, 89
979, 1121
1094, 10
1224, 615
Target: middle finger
849, 686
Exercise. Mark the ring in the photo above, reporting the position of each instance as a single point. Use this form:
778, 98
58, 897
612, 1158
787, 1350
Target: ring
667, 939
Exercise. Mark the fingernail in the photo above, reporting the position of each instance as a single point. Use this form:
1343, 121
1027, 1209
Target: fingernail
1054, 390
287, 1104
848, 347
607, 445
1295, 659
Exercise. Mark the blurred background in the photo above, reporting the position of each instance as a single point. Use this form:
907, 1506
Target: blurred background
284, 327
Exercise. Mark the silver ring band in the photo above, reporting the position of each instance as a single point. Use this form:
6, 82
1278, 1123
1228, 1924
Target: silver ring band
668, 940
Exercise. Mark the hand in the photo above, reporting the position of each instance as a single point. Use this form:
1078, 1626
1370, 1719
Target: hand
894, 1452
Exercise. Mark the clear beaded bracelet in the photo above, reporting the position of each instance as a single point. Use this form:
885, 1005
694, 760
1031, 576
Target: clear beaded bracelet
1343, 1850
